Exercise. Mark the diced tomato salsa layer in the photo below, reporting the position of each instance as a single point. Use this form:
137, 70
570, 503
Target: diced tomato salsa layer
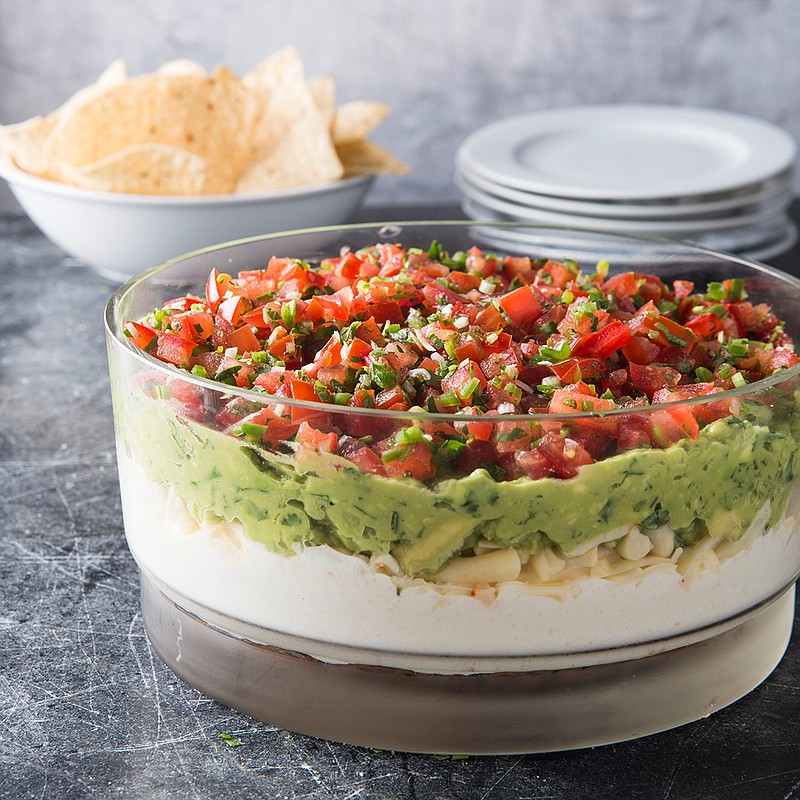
471, 335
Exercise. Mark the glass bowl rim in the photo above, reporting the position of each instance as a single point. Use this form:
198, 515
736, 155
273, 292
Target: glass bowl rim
114, 332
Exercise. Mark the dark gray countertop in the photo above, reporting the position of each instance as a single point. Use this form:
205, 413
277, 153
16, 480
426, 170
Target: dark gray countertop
88, 710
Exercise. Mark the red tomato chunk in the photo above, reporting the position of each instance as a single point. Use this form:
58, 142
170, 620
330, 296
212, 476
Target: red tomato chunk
576, 358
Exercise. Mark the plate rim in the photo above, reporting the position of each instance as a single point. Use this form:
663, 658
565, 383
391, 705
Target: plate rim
643, 227
780, 243
775, 186
777, 153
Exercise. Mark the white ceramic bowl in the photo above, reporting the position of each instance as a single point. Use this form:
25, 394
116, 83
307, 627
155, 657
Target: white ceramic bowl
119, 235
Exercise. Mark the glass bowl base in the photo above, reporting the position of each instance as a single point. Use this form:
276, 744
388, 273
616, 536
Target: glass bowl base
497, 712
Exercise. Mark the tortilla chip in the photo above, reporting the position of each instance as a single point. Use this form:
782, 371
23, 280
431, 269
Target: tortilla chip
323, 90
181, 66
364, 157
24, 142
291, 144
115, 74
353, 121
144, 169
206, 115
270, 130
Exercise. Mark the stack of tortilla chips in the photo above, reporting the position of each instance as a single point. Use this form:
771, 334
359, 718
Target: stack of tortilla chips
183, 131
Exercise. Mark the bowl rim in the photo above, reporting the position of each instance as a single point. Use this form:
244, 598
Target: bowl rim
114, 333
16, 176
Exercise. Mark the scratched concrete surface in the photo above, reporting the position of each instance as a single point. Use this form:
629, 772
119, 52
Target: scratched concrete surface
88, 711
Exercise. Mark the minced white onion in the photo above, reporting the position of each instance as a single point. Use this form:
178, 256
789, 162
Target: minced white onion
423, 342
420, 372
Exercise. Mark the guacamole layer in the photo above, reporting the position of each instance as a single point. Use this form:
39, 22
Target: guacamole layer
711, 486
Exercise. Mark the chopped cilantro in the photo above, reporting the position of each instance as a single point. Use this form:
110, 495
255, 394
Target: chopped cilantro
669, 336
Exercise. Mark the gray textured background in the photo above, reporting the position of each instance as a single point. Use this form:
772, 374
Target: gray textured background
445, 66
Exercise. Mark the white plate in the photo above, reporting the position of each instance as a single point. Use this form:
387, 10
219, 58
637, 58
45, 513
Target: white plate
780, 186
772, 249
628, 152
679, 227
744, 240
545, 244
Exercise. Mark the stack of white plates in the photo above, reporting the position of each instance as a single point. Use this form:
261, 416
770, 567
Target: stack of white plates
718, 179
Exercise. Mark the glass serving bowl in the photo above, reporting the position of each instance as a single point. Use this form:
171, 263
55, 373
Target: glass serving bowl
476, 614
